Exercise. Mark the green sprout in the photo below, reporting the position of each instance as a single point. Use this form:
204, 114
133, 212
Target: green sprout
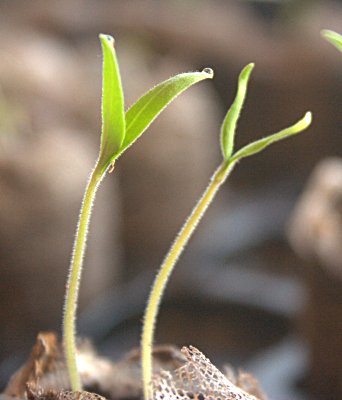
120, 130
333, 37
230, 159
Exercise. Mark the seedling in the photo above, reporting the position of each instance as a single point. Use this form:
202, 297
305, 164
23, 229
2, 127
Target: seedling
333, 37
120, 130
230, 159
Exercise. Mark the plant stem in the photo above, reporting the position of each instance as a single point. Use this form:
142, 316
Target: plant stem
167, 266
75, 271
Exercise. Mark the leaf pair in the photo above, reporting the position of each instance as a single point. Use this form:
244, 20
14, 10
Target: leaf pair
228, 128
119, 128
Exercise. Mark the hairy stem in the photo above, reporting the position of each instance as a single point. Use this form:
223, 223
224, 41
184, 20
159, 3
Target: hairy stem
75, 271
166, 268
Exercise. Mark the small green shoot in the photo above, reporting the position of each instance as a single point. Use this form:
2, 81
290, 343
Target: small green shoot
229, 160
119, 131
333, 37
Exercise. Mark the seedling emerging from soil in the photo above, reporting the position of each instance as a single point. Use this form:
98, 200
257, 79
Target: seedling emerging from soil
333, 37
230, 159
120, 130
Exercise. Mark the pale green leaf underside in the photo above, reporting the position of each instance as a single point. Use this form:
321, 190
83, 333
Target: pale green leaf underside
149, 106
113, 114
230, 121
261, 144
333, 37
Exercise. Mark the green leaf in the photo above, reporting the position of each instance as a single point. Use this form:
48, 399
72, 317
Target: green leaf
113, 114
333, 37
148, 107
261, 144
229, 124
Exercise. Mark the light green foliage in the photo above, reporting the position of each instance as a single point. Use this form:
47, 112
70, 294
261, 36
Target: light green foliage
229, 161
228, 128
333, 37
261, 144
147, 108
113, 113
229, 123
119, 131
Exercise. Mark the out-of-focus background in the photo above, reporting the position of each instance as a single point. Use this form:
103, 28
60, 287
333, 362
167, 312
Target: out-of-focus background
260, 285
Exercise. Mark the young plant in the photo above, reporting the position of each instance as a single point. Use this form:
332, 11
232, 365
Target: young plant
333, 37
120, 130
230, 159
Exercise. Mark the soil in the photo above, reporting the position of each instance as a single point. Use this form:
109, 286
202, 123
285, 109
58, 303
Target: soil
187, 374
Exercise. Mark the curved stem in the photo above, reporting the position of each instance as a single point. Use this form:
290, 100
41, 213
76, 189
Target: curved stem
72, 288
166, 268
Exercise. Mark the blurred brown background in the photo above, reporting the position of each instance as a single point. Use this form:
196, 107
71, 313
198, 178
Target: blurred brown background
239, 292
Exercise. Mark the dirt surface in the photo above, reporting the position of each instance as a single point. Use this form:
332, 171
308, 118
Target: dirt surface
187, 373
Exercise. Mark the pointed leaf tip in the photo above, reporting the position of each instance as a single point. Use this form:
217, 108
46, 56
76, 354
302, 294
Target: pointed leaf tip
247, 70
333, 37
106, 38
208, 71
228, 128
307, 119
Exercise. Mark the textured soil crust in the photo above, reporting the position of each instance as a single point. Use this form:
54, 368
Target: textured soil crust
182, 375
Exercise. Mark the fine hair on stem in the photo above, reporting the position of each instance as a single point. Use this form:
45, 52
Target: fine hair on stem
230, 159
120, 129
